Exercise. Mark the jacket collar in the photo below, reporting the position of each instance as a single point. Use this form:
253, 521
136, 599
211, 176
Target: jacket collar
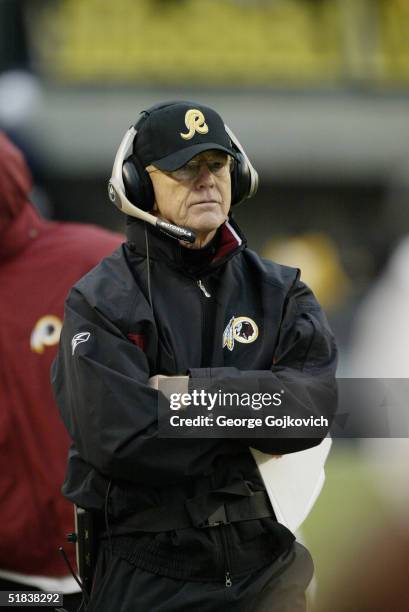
228, 242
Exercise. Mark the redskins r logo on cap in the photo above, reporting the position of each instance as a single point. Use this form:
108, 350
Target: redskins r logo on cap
195, 122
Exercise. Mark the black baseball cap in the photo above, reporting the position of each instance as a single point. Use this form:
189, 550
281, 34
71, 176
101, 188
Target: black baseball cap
171, 133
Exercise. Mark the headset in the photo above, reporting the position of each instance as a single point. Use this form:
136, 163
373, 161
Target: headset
130, 187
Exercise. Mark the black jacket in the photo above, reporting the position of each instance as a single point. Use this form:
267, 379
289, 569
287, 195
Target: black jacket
148, 316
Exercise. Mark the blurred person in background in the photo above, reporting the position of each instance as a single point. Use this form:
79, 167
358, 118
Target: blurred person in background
21, 96
185, 523
39, 261
378, 349
376, 579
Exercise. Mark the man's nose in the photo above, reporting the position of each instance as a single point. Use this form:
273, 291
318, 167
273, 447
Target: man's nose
205, 178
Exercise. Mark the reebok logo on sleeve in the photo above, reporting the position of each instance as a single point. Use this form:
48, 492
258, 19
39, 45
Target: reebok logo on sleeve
78, 338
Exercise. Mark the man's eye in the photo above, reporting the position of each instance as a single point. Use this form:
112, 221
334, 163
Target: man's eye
216, 165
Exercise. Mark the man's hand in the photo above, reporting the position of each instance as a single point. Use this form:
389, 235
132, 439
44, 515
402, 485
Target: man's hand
182, 386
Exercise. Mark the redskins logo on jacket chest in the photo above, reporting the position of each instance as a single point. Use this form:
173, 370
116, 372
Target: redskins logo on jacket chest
242, 329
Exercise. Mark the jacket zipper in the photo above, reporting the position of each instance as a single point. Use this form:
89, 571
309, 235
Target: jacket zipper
203, 289
206, 305
227, 576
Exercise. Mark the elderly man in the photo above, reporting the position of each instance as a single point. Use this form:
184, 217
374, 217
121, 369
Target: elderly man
185, 524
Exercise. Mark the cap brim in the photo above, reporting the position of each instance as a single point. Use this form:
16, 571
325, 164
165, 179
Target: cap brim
180, 158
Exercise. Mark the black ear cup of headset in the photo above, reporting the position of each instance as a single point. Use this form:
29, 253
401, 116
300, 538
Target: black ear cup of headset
137, 183
240, 180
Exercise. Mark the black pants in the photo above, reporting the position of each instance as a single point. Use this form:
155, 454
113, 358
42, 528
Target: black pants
71, 602
280, 587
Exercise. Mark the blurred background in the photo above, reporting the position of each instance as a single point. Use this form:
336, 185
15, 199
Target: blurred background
318, 93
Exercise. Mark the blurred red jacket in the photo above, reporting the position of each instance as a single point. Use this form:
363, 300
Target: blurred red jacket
39, 262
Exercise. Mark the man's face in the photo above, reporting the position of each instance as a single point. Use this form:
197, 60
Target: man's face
197, 196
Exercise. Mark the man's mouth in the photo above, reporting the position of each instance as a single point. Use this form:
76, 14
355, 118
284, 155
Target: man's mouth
205, 202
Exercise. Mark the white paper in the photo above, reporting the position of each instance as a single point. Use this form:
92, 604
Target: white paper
294, 481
